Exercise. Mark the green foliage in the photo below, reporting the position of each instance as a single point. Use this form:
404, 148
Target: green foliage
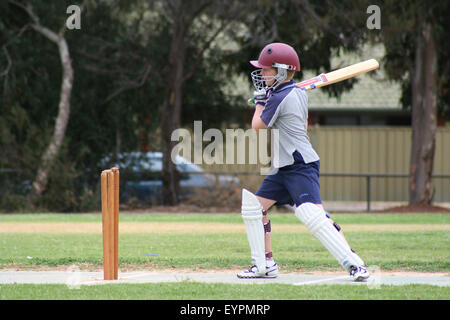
400, 28
20, 142
318, 30
119, 58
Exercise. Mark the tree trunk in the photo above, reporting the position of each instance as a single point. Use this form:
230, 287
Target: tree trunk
183, 14
171, 114
52, 151
424, 114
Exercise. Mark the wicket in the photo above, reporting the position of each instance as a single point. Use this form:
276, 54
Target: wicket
110, 222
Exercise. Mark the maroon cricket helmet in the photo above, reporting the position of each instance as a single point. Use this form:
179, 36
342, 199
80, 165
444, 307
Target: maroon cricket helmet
278, 55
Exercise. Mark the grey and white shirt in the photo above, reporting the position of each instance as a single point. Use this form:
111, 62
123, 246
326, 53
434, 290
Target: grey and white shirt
287, 110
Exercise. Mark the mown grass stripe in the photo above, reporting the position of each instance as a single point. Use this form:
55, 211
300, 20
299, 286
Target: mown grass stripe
278, 218
193, 227
213, 291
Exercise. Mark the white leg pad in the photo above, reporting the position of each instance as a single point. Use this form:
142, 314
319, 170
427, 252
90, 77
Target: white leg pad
252, 216
318, 224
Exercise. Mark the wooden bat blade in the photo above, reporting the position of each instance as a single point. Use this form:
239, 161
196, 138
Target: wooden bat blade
339, 75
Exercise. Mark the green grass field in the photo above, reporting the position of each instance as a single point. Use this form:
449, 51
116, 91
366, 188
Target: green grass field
219, 291
409, 242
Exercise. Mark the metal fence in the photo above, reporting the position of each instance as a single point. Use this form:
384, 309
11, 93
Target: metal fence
368, 177
349, 154
253, 179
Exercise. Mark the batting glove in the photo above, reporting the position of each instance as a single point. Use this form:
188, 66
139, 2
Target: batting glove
261, 97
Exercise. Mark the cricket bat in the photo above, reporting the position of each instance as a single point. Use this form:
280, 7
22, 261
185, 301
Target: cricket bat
326, 79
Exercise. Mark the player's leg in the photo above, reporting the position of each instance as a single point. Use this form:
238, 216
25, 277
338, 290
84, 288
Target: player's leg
303, 184
266, 205
270, 192
253, 220
271, 265
338, 227
333, 223
359, 273
315, 220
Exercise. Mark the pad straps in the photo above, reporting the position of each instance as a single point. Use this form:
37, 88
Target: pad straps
267, 226
267, 229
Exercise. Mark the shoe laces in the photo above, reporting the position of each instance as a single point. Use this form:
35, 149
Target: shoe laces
251, 268
353, 270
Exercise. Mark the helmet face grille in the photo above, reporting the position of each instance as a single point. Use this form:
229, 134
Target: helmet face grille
259, 81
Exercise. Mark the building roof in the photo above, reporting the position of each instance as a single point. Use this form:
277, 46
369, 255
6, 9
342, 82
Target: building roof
372, 91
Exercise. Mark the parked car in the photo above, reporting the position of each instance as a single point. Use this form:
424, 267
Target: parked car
141, 176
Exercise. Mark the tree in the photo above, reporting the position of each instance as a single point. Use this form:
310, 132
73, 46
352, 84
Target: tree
318, 30
191, 22
119, 56
62, 118
424, 114
417, 55
100, 119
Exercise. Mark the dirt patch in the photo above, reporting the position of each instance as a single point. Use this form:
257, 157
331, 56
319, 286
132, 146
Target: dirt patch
187, 208
182, 208
36, 268
194, 227
414, 208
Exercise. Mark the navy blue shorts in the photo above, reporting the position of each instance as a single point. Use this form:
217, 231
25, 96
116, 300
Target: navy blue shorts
294, 184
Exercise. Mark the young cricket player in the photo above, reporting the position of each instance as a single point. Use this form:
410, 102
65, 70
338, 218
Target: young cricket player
295, 181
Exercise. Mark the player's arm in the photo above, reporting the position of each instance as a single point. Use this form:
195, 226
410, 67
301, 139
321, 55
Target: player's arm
257, 123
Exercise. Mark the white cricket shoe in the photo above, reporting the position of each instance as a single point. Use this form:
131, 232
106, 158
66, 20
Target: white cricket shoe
359, 273
272, 271
253, 272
